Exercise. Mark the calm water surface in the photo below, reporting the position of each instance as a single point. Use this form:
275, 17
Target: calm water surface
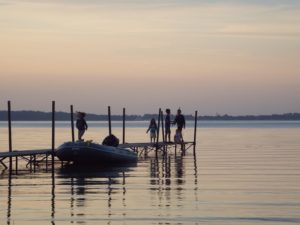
244, 173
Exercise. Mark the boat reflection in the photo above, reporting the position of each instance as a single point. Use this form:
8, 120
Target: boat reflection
85, 181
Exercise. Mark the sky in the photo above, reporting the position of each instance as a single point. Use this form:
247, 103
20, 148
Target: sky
226, 57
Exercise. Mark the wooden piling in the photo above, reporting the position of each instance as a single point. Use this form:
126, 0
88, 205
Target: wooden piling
72, 123
9, 131
53, 132
195, 132
162, 125
30, 163
158, 128
109, 121
34, 163
16, 158
124, 117
163, 130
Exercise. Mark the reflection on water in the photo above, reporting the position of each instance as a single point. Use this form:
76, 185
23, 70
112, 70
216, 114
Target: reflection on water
9, 198
240, 176
75, 189
96, 180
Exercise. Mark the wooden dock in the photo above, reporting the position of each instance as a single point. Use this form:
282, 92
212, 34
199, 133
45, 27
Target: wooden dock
146, 147
34, 157
31, 156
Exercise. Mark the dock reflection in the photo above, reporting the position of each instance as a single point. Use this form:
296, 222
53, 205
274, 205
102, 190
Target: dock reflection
9, 198
84, 181
79, 194
168, 176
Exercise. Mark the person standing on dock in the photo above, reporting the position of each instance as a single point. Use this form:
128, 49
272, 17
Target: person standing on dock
178, 137
153, 129
180, 121
81, 125
168, 125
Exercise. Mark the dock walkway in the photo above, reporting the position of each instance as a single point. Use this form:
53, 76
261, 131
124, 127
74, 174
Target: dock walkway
142, 147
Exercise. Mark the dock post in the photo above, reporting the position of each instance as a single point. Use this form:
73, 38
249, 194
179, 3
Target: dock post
163, 131
30, 163
195, 132
158, 128
34, 163
53, 132
9, 132
124, 117
16, 164
109, 121
162, 125
72, 123
46, 162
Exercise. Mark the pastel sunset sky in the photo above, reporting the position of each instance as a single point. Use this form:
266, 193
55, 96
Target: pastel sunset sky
234, 57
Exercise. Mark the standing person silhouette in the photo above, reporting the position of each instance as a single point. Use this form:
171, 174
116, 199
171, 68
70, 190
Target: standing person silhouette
153, 129
180, 121
168, 125
81, 125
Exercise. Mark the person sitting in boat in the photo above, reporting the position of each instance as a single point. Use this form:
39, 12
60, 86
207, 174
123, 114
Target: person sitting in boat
111, 140
81, 125
153, 129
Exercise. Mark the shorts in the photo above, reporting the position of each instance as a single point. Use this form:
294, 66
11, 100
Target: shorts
153, 135
180, 127
168, 130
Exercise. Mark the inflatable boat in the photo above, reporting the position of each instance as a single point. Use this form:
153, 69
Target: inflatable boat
92, 153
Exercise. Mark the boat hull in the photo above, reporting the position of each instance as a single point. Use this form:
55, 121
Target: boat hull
91, 153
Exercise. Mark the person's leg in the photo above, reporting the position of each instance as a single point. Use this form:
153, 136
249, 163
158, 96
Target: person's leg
80, 134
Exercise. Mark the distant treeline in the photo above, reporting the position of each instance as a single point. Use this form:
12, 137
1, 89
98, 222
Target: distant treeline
63, 116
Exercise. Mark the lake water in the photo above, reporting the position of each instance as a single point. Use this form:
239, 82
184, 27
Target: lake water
244, 173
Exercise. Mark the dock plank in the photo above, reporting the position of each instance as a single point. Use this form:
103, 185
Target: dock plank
147, 144
49, 151
25, 153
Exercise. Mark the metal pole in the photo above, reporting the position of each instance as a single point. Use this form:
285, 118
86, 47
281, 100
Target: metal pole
72, 123
9, 131
109, 121
53, 132
124, 116
195, 131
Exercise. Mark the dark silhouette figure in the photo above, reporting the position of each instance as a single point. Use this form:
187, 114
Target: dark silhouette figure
178, 137
153, 129
111, 140
81, 125
180, 121
168, 125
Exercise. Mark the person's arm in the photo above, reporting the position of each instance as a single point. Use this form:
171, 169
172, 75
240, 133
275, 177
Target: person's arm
175, 121
183, 122
85, 125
